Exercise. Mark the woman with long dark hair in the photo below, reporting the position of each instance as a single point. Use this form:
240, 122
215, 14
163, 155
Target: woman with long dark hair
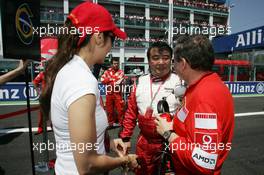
71, 96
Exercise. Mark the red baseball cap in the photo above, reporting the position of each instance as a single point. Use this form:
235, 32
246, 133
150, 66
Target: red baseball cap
93, 18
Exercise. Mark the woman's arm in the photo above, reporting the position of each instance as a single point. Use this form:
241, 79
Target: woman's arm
12, 74
82, 128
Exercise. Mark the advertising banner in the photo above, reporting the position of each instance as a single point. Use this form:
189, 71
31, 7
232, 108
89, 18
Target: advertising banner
20, 22
246, 88
17, 91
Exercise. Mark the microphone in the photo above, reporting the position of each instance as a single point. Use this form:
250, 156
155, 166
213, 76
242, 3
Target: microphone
164, 109
178, 91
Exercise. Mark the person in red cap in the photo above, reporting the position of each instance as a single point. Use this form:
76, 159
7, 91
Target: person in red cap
113, 78
71, 95
201, 133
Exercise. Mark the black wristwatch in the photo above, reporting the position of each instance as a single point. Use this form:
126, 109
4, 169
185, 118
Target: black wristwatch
166, 135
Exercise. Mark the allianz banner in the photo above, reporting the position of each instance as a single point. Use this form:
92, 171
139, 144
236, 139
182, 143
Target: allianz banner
246, 88
17, 92
242, 41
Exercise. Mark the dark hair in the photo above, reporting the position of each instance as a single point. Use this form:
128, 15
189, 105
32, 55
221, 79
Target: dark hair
67, 47
162, 46
114, 59
197, 50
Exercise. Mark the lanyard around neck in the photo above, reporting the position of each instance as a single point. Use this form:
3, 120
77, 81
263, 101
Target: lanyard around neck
151, 93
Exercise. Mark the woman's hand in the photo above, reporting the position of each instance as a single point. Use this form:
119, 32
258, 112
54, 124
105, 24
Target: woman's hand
118, 146
131, 162
162, 125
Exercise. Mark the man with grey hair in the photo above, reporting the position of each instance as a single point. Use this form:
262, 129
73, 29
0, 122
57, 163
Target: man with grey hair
201, 132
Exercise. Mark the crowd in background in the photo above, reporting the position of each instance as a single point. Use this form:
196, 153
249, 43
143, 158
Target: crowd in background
195, 3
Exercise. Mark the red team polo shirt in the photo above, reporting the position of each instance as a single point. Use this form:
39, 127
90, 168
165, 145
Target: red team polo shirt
205, 125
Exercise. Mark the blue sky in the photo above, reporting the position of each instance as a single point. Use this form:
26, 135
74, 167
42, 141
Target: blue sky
246, 14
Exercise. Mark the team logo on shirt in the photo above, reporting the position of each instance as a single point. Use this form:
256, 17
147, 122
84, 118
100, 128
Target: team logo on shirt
207, 141
204, 159
182, 114
205, 120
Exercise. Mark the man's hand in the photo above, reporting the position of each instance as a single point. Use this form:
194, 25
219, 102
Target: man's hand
12, 74
128, 146
118, 146
133, 163
22, 65
162, 125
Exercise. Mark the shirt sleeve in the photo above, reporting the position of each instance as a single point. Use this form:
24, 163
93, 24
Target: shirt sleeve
105, 79
200, 150
130, 118
121, 75
79, 87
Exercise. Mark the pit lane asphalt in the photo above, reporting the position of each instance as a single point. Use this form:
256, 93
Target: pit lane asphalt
246, 156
